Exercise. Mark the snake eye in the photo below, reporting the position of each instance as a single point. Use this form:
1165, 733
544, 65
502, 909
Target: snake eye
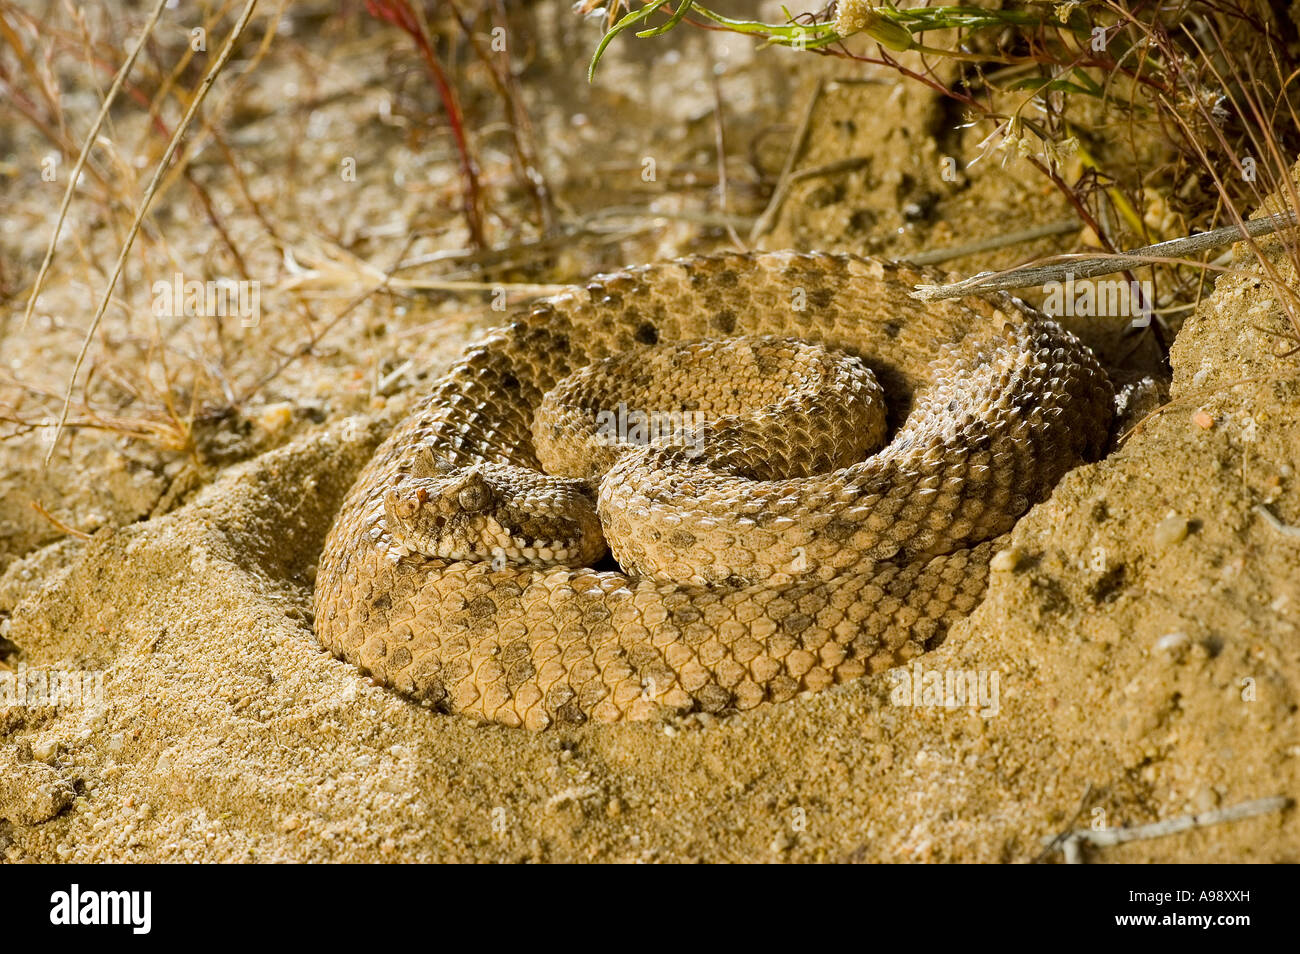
475, 496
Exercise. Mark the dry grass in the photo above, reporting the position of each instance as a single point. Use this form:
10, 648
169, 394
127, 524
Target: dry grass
153, 182
1185, 120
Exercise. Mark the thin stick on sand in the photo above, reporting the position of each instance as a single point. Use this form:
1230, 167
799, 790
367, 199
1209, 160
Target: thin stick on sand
1071, 843
1090, 266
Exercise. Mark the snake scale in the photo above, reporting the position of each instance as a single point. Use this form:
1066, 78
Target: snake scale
462, 573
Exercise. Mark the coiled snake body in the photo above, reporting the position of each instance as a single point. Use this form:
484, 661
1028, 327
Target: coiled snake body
790, 557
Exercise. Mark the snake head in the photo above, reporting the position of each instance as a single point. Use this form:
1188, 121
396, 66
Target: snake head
493, 512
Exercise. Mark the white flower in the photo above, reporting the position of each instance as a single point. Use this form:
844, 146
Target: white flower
852, 16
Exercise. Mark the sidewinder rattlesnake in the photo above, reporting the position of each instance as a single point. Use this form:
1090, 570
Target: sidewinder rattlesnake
459, 573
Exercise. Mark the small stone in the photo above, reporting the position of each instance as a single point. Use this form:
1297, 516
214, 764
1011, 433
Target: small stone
1203, 420
1173, 643
1171, 530
1006, 561
31, 793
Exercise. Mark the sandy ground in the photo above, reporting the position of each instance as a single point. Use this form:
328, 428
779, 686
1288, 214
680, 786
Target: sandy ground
1142, 631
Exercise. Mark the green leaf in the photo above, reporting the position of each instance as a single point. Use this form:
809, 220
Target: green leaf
888, 33
683, 8
636, 16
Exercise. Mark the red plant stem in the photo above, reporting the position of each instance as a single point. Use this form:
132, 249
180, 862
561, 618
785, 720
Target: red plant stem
400, 14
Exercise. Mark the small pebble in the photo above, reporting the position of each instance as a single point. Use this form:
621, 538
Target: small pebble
1203, 420
1172, 642
1171, 530
31, 793
1005, 561
1206, 800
